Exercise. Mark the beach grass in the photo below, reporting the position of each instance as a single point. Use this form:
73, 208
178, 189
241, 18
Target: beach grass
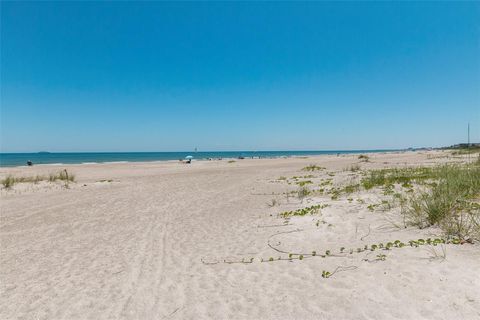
447, 195
451, 203
312, 167
303, 192
304, 182
382, 177
62, 175
10, 180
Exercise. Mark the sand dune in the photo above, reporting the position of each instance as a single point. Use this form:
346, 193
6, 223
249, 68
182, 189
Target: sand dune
156, 242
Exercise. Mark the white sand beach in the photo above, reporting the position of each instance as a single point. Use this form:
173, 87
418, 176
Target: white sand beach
166, 240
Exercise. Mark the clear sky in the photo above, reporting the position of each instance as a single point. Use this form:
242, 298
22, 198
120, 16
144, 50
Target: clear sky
152, 76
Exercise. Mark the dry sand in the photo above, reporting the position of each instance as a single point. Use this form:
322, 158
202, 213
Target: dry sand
152, 244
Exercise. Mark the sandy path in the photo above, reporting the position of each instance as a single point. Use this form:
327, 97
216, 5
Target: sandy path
133, 249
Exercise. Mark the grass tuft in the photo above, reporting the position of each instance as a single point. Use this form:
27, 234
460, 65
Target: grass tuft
312, 167
405, 176
364, 158
8, 182
63, 175
452, 202
303, 192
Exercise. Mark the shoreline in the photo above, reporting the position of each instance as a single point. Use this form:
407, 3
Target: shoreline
326, 153
55, 158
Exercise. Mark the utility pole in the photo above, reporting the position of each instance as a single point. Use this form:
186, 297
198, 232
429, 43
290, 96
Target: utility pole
468, 142
468, 135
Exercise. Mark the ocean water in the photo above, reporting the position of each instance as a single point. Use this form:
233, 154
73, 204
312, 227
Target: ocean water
20, 159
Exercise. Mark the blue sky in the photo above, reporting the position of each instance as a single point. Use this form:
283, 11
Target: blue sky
154, 76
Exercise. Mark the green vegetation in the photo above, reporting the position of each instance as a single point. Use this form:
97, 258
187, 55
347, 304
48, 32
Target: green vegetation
63, 175
364, 158
462, 151
381, 257
351, 188
452, 202
313, 167
8, 182
389, 246
447, 195
304, 211
305, 182
348, 189
304, 177
303, 192
404, 176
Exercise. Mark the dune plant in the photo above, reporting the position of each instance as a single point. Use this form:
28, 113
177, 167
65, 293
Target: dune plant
312, 167
470, 150
404, 176
303, 192
303, 211
8, 182
381, 257
451, 203
303, 183
364, 158
63, 175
